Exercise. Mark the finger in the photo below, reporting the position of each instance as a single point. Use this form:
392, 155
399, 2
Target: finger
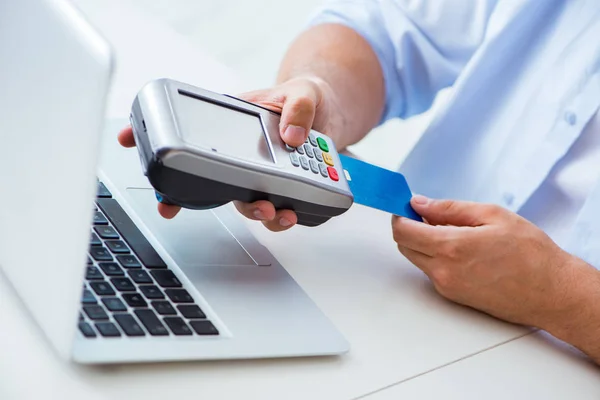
297, 101
268, 98
259, 211
283, 220
126, 138
298, 114
420, 260
168, 211
418, 236
451, 212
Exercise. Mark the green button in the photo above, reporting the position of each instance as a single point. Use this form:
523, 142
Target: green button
322, 144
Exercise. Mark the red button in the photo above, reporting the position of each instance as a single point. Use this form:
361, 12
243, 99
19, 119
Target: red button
333, 174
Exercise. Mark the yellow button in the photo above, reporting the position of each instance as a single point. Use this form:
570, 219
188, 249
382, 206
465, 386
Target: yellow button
327, 158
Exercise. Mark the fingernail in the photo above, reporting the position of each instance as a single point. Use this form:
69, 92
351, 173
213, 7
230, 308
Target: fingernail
294, 133
418, 199
284, 222
258, 214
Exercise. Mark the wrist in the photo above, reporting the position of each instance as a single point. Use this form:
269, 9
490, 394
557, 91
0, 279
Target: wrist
574, 315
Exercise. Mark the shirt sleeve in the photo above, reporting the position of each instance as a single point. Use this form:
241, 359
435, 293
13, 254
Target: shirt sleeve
422, 45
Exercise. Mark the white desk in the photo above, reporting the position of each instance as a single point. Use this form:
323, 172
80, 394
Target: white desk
536, 366
397, 326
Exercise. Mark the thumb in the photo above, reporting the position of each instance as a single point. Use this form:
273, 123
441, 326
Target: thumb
449, 212
297, 101
301, 100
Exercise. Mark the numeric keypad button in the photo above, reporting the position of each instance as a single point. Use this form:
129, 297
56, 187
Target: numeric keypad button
304, 163
313, 166
323, 170
309, 151
318, 155
294, 159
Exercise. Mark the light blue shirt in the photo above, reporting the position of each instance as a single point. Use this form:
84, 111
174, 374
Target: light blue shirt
521, 127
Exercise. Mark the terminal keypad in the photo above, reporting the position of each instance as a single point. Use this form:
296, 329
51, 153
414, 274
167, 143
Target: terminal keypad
314, 156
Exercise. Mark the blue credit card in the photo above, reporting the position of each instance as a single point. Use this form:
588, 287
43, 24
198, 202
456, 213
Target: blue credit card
378, 188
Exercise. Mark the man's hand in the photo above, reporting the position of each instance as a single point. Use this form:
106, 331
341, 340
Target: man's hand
493, 260
303, 103
330, 79
488, 258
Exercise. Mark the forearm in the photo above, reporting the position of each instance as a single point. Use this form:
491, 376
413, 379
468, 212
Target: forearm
578, 321
350, 69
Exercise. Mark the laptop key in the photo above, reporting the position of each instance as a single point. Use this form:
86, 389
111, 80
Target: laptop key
164, 308
151, 292
103, 191
93, 273
95, 312
179, 295
204, 327
88, 297
139, 276
129, 261
151, 322
131, 234
165, 278
191, 311
111, 269
123, 284
114, 304
87, 330
100, 253
178, 326
134, 300
129, 325
106, 232
99, 219
95, 240
108, 329
117, 246
102, 288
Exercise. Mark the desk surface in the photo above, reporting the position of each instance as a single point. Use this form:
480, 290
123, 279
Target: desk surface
398, 327
536, 366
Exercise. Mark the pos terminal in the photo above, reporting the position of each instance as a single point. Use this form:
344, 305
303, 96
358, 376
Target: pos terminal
201, 150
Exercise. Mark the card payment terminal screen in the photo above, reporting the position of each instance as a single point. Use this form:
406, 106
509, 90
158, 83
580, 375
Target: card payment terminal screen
228, 131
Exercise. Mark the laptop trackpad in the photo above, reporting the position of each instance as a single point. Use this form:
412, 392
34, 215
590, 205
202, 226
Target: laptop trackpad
192, 238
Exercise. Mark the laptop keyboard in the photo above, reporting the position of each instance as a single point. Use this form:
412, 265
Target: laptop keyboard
129, 291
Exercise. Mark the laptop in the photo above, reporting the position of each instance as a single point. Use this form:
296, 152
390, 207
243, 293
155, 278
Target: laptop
106, 279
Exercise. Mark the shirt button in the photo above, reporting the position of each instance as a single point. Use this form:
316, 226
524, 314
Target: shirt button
570, 118
508, 198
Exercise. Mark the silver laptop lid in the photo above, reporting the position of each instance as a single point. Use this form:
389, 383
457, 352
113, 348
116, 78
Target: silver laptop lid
54, 80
